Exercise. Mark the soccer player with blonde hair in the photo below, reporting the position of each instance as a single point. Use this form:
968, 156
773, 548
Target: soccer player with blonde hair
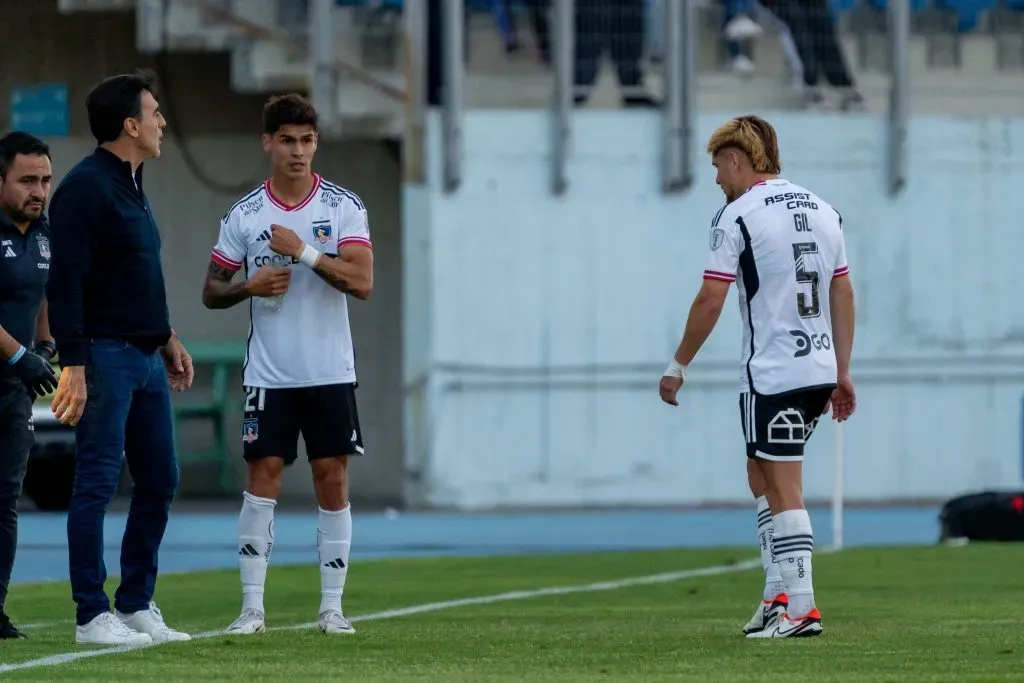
784, 248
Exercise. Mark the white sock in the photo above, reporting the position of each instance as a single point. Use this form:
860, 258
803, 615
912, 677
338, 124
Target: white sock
255, 541
794, 543
333, 541
765, 532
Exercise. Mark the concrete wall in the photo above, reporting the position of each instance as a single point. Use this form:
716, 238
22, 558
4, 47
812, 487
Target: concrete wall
552, 318
42, 46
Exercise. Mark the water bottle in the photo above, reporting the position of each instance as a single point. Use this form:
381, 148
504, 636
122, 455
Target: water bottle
273, 303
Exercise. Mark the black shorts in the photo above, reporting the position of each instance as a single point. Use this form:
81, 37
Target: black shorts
777, 427
325, 415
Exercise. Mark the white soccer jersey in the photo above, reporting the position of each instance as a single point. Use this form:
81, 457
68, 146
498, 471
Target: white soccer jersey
302, 338
782, 245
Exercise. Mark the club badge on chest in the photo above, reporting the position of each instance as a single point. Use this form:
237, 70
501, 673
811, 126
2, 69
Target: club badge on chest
322, 231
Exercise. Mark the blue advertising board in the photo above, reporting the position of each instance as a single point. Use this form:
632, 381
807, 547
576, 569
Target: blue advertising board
40, 109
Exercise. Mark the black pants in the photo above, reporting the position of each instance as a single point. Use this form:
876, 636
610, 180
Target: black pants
16, 440
619, 25
538, 13
814, 33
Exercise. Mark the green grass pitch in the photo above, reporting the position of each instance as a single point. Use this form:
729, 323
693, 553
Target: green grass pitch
902, 614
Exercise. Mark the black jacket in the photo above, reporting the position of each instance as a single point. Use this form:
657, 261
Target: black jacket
106, 281
24, 265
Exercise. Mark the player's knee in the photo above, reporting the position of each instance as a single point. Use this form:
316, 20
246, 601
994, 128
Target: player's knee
782, 483
331, 472
265, 477
330, 480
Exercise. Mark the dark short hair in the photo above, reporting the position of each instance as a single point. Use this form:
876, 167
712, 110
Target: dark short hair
115, 99
287, 110
18, 142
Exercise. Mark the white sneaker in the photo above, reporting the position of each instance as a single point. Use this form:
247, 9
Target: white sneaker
743, 28
743, 65
333, 623
251, 621
150, 621
768, 612
107, 629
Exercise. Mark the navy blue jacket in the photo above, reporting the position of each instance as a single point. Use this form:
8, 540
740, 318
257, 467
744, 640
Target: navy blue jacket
24, 265
106, 281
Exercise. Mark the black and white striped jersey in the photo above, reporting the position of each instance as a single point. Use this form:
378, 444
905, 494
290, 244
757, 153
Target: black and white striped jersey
782, 245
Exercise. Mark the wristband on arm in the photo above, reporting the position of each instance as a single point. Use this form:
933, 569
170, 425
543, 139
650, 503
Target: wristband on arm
46, 348
309, 256
674, 369
17, 355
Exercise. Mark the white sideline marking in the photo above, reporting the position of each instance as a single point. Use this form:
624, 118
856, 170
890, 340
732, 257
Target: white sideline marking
45, 624
664, 577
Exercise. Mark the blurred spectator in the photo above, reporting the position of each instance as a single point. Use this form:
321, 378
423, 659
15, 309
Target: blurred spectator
740, 29
739, 20
813, 29
435, 54
746, 20
619, 26
654, 10
504, 14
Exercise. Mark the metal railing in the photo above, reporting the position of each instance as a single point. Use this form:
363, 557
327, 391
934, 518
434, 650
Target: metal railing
680, 36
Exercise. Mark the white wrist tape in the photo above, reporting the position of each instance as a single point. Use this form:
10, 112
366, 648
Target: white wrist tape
674, 369
309, 256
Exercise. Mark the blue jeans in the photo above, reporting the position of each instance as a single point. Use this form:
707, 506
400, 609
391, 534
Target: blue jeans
127, 411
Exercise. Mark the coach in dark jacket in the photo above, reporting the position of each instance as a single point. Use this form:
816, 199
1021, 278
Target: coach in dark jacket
119, 358
25, 343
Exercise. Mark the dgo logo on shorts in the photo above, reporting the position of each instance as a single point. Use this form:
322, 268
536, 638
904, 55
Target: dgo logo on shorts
250, 430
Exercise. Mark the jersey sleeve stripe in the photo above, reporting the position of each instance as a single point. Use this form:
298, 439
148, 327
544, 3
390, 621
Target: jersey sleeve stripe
222, 260
338, 189
362, 241
244, 199
844, 270
716, 275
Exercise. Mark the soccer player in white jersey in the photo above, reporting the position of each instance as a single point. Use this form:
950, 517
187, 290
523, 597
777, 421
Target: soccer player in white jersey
305, 246
784, 247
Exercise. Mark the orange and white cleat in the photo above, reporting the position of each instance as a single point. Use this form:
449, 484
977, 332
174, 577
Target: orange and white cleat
789, 627
768, 612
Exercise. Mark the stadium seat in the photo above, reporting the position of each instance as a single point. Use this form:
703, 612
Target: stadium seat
221, 357
968, 11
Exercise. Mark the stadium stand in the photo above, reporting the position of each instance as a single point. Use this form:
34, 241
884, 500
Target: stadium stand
746, 57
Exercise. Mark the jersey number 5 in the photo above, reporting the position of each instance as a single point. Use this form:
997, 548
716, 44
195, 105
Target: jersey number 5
804, 276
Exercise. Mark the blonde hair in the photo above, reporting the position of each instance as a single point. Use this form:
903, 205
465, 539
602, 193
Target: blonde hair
754, 136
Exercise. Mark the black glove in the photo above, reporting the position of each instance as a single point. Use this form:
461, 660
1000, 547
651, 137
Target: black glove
36, 373
47, 349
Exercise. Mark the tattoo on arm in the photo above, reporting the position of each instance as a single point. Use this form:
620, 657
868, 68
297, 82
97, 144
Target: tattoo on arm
218, 291
219, 272
333, 279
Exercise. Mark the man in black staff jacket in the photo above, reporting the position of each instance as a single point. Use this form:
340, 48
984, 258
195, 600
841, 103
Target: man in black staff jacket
119, 358
25, 371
